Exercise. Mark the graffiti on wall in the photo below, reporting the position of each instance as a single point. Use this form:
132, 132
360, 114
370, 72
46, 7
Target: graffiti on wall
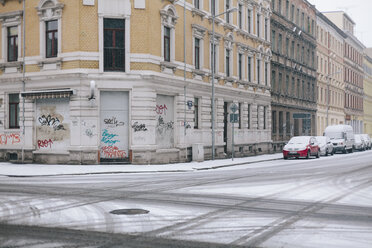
113, 152
114, 119
52, 129
90, 128
44, 143
113, 122
139, 127
164, 121
10, 138
109, 138
50, 121
161, 109
162, 127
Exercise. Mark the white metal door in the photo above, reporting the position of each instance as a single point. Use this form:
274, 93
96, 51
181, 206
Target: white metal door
114, 125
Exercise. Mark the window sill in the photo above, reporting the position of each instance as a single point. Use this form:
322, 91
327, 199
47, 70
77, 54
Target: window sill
50, 63
228, 26
198, 73
198, 12
217, 20
168, 65
11, 67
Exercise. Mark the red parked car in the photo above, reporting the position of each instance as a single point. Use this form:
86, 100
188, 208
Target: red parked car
301, 146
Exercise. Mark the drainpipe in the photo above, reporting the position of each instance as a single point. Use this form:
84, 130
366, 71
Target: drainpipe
23, 77
184, 69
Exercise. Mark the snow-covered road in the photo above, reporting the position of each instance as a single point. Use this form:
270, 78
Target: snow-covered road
324, 202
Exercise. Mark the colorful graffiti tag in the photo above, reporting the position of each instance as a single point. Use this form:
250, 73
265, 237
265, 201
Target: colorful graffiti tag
113, 152
109, 138
161, 109
10, 139
44, 143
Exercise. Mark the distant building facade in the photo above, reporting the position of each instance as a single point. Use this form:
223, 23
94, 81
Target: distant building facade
105, 81
330, 64
293, 75
353, 70
367, 86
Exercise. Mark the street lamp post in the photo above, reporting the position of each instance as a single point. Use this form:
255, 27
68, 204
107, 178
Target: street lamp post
212, 74
328, 76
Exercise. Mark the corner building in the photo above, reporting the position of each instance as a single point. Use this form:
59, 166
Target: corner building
293, 75
104, 81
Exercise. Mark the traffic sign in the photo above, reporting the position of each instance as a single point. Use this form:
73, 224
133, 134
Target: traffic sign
234, 118
234, 108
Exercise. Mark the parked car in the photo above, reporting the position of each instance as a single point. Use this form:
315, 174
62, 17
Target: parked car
342, 137
301, 146
359, 143
325, 145
367, 140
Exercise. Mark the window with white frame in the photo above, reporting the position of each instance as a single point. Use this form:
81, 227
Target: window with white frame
240, 115
196, 113
249, 69
50, 17
198, 44
258, 26
213, 6
240, 16
227, 7
51, 39
11, 36
258, 63
227, 62
240, 66
13, 111
114, 44
169, 20
197, 53
249, 116
249, 20
266, 73
12, 43
266, 29
264, 117
258, 116
198, 4
167, 43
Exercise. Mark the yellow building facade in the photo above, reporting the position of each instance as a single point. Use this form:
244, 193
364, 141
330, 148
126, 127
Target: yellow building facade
130, 80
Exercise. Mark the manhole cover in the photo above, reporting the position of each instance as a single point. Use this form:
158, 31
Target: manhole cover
130, 211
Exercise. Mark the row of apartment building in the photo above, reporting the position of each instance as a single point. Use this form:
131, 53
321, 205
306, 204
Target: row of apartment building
143, 81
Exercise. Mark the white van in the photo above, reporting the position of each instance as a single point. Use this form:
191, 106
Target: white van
342, 137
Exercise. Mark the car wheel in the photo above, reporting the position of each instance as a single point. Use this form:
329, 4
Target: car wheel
285, 157
326, 152
308, 155
317, 154
344, 150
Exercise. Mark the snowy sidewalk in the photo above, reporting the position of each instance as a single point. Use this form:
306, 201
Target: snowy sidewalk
24, 170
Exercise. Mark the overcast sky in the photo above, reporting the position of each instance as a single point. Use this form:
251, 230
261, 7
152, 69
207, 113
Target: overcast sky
359, 10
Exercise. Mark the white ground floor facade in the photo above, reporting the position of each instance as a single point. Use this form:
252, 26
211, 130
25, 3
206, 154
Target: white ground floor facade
130, 118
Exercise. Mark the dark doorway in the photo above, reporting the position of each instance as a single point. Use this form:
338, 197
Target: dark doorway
225, 124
